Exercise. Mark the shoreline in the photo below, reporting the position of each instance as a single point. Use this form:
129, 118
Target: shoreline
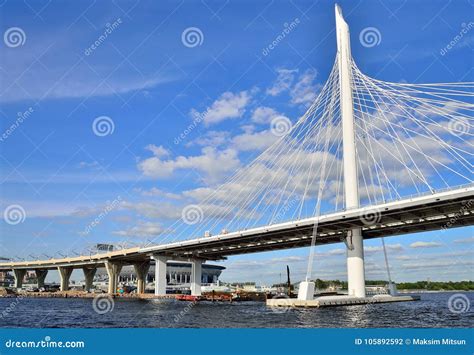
147, 296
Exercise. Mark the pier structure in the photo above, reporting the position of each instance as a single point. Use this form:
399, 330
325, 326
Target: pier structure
113, 267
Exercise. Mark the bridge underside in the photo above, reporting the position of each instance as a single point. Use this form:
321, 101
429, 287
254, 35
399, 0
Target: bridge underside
427, 213
438, 215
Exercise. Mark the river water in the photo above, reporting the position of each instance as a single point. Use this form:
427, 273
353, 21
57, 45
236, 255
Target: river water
431, 311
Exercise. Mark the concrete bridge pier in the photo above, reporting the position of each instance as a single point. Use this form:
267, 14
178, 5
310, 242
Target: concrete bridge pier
160, 274
89, 274
355, 263
41, 276
196, 276
64, 275
113, 271
19, 275
141, 270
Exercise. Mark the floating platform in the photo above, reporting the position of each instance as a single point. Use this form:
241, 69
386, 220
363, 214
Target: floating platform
334, 301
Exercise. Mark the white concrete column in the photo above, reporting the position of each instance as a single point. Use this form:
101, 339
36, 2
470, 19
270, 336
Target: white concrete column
196, 275
113, 271
306, 291
89, 274
160, 274
355, 264
41, 276
355, 252
19, 275
64, 275
141, 271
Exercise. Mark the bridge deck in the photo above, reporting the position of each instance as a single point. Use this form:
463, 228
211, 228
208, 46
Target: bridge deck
448, 209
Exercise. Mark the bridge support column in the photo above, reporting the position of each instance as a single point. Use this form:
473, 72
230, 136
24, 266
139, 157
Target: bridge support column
89, 274
306, 291
41, 276
160, 274
19, 275
355, 264
113, 271
64, 275
141, 271
196, 275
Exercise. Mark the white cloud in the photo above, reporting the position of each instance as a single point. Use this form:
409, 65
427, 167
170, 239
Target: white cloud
376, 249
92, 165
336, 252
403, 257
302, 89
249, 141
158, 151
264, 115
212, 139
77, 84
441, 265
305, 90
464, 241
155, 192
62, 74
229, 105
283, 82
212, 163
153, 210
425, 245
143, 229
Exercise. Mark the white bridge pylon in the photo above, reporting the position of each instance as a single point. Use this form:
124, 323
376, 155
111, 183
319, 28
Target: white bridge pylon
354, 239
355, 250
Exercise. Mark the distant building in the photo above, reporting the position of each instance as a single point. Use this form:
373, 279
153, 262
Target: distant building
177, 273
245, 286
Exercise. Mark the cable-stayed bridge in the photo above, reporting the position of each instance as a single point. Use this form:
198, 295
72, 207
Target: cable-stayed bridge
368, 159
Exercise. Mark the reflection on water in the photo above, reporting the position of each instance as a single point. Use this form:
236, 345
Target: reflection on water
431, 311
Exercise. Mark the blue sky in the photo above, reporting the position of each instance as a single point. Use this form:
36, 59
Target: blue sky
150, 83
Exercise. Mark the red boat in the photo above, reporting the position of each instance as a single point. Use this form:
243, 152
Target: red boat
189, 298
